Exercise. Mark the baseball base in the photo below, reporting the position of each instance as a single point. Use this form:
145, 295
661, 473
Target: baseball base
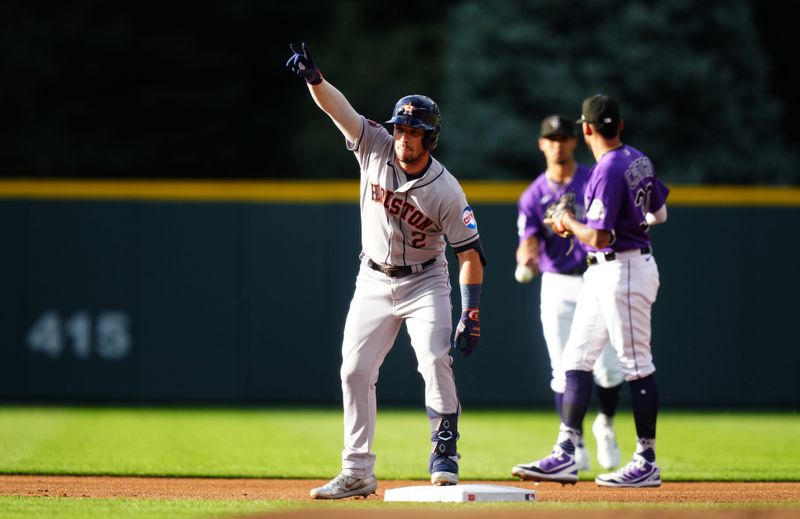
459, 494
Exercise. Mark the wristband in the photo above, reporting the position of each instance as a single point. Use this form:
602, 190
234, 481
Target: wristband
470, 296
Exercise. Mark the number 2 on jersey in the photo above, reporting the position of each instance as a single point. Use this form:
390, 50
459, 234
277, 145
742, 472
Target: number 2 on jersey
419, 239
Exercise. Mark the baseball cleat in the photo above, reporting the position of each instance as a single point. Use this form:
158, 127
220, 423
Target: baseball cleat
582, 457
346, 486
607, 447
637, 473
444, 470
559, 466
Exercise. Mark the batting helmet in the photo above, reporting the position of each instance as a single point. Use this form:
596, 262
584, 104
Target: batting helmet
421, 112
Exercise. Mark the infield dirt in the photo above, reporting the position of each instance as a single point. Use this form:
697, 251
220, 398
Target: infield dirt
297, 489
747, 500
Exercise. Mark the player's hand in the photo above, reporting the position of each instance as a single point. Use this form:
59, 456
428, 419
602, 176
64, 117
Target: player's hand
303, 64
556, 222
524, 273
555, 213
468, 332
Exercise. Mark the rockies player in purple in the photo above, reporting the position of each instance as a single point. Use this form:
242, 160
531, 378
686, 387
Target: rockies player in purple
409, 203
624, 199
562, 263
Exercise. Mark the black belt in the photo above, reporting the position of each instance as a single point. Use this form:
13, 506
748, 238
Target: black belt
394, 271
611, 256
577, 271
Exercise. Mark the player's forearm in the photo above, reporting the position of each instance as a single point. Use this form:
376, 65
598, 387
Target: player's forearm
596, 238
471, 268
659, 216
335, 104
528, 252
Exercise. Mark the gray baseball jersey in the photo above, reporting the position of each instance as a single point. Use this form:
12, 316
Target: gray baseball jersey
404, 222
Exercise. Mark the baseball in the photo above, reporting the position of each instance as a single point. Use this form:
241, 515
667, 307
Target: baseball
524, 274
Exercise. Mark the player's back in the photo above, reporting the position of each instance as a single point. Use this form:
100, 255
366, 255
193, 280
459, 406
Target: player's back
626, 177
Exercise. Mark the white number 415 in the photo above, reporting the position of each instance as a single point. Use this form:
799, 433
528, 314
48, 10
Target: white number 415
51, 335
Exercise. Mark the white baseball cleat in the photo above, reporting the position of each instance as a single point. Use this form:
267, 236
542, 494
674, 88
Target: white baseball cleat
346, 486
607, 448
559, 466
581, 457
637, 473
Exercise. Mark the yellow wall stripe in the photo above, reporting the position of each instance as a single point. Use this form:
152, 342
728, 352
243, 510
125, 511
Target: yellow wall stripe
344, 191
183, 190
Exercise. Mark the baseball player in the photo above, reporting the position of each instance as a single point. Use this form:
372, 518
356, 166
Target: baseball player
409, 203
623, 198
562, 263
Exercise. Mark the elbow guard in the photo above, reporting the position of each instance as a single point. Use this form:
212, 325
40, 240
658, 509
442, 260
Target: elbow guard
473, 245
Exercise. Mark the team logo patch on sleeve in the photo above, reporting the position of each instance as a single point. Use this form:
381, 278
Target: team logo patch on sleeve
522, 222
468, 217
597, 211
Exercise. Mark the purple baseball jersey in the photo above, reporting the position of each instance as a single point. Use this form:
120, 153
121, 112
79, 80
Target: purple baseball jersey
622, 189
553, 249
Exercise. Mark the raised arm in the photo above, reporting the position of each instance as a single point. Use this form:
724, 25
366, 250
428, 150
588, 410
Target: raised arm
328, 97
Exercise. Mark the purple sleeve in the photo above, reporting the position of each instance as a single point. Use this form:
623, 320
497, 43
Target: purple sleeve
603, 202
528, 221
659, 195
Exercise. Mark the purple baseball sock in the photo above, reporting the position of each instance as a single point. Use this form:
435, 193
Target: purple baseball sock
644, 399
607, 399
559, 400
576, 398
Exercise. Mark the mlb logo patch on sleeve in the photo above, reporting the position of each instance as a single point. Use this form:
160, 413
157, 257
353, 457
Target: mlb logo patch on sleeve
597, 210
468, 217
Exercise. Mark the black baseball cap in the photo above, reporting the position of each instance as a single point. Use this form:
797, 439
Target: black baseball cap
599, 108
553, 125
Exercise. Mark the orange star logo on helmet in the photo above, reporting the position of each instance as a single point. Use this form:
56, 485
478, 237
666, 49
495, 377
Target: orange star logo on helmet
408, 108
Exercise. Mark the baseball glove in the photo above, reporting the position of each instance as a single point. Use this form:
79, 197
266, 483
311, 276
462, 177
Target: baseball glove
557, 210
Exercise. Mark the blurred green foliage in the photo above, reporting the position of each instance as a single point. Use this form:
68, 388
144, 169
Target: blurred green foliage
692, 85
187, 90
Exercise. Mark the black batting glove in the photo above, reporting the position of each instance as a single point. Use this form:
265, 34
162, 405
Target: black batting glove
303, 65
468, 332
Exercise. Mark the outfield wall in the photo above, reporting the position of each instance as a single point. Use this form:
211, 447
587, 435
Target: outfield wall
183, 292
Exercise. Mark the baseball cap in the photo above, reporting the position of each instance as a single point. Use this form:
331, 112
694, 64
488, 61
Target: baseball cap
556, 125
599, 108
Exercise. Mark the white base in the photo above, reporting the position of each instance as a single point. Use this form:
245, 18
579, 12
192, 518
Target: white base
459, 494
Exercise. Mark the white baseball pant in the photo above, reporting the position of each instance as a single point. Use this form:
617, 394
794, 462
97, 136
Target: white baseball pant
558, 298
378, 308
615, 303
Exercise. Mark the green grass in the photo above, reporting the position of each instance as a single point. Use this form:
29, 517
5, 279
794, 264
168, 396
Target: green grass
280, 443
68, 508
708, 446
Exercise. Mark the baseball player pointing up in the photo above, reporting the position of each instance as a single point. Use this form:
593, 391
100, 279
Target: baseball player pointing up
623, 198
409, 202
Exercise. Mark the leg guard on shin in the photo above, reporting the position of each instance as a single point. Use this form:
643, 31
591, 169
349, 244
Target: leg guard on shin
443, 463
